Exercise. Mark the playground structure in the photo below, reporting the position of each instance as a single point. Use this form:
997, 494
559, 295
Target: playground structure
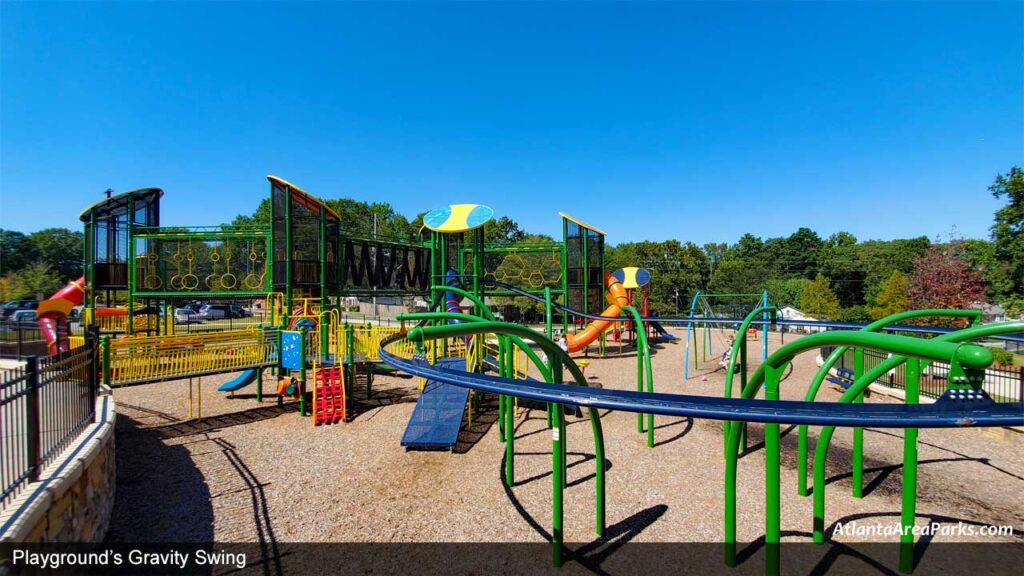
301, 266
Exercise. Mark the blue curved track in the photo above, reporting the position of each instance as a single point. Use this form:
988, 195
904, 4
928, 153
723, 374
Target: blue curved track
948, 412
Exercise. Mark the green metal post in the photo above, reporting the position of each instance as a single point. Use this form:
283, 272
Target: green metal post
548, 330
557, 485
288, 250
565, 277
129, 328
105, 350
325, 340
909, 508
281, 372
772, 497
858, 432
510, 413
501, 397
259, 385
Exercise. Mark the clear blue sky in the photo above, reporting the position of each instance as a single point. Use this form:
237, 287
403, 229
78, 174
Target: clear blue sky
697, 121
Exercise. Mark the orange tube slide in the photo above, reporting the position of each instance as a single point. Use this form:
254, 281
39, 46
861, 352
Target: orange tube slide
616, 300
58, 307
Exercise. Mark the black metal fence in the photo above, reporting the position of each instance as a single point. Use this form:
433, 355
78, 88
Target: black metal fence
44, 405
1002, 384
22, 339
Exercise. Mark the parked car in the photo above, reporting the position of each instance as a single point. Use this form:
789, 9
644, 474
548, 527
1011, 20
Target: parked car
186, 316
215, 312
15, 305
23, 317
239, 311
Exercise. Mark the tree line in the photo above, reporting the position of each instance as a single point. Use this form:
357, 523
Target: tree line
839, 277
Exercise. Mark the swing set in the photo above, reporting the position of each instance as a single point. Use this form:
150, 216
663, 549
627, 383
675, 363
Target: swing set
709, 305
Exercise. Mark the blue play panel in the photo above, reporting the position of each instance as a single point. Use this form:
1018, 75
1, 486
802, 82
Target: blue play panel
437, 417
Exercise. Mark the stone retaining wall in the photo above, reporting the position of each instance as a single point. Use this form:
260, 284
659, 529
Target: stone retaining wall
74, 497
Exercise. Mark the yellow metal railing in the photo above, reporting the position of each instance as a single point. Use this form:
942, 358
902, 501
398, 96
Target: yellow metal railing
155, 358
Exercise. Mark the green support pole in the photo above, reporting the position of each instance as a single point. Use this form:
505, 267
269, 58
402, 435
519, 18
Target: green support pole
324, 340
510, 414
772, 497
557, 485
281, 373
549, 331
259, 385
858, 432
129, 328
743, 383
350, 357
501, 398
909, 509
105, 351
288, 251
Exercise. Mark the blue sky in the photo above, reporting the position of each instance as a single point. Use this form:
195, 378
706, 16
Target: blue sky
697, 121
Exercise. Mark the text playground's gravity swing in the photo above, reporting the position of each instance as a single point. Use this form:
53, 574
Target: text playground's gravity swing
302, 267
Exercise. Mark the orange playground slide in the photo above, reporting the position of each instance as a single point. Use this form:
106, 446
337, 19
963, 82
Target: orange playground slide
57, 308
616, 300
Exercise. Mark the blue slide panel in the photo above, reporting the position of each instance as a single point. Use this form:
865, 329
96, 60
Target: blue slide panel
243, 379
662, 333
437, 417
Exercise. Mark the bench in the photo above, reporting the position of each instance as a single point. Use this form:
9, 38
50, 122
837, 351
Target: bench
843, 378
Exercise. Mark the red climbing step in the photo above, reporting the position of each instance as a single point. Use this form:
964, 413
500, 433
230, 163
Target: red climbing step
328, 396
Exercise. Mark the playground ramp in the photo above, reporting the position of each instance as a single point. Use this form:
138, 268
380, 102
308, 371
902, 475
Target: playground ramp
437, 417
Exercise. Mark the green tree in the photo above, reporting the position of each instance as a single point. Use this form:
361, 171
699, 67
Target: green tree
841, 263
981, 256
37, 280
16, 251
879, 259
61, 249
800, 254
892, 296
677, 270
819, 300
1008, 229
786, 292
503, 230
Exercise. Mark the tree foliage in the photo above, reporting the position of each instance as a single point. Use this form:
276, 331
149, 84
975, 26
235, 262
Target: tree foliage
891, 297
37, 280
819, 300
1008, 229
942, 280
